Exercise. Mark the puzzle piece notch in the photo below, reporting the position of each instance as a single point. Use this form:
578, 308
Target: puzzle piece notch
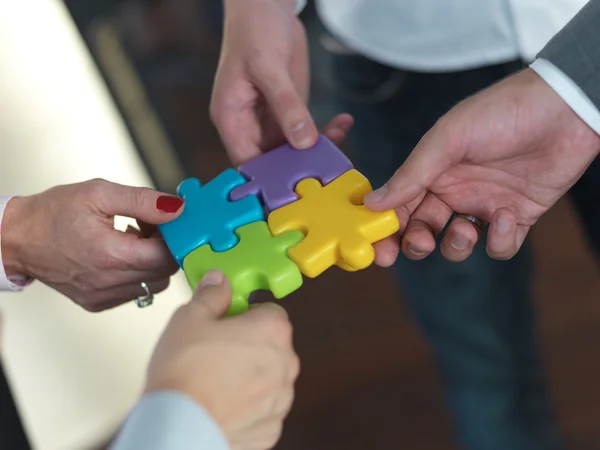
208, 216
273, 177
258, 262
339, 229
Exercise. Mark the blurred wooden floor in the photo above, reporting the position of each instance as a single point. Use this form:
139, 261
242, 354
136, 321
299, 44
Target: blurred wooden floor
368, 381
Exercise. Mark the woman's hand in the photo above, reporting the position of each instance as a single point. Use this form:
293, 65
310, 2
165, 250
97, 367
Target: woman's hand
65, 237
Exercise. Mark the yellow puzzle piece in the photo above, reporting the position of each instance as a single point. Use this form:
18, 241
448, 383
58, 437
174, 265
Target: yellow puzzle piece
339, 229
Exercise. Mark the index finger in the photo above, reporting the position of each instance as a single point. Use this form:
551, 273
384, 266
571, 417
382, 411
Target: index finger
132, 252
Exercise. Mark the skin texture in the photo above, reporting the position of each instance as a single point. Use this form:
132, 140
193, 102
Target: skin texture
242, 370
505, 155
65, 238
262, 82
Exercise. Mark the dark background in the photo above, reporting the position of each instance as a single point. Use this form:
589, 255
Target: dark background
368, 381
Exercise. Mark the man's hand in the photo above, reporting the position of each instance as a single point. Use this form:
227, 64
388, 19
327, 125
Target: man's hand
65, 237
262, 82
242, 370
506, 155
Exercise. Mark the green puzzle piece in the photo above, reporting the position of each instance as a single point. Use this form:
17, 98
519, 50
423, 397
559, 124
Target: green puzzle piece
258, 262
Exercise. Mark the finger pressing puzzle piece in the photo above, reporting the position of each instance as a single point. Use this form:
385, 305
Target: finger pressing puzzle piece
273, 176
339, 229
258, 262
209, 217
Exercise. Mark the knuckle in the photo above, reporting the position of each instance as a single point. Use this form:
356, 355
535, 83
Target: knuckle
277, 324
96, 186
160, 285
215, 111
274, 435
110, 258
171, 266
257, 66
446, 130
294, 369
137, 196
89, 302
92, 307
96, 191
270, 369
266, 73
97, 282
89, 282
123, 257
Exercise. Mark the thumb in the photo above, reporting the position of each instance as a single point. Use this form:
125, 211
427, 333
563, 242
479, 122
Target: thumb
289, 110
144, 204
430, 158
212, 297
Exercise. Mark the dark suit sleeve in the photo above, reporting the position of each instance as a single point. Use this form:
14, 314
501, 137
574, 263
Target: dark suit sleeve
575, 50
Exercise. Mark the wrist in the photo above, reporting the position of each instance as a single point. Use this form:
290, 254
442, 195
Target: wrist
12, 238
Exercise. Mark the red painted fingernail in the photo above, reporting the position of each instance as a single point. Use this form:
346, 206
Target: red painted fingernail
169, 204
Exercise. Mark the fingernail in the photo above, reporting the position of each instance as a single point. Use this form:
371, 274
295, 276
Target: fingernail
211, 278
378, 195
301, 136
459, 242
415, 251
169, 203
503, 225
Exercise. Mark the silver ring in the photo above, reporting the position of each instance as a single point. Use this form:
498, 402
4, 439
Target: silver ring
147, 299
475, 220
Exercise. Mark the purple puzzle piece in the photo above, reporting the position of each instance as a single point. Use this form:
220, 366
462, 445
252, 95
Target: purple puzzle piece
273, 176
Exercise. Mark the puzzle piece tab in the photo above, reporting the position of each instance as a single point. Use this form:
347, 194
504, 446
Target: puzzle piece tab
273, 176
209, 217
338, 228
258, 262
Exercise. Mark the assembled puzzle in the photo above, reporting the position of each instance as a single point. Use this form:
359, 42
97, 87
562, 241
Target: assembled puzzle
285, 214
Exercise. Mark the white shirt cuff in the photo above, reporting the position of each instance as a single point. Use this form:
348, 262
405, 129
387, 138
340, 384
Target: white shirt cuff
569, 92
300, 5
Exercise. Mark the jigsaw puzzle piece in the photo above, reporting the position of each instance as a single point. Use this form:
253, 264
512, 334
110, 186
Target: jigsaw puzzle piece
273, 176
258, 262
209, 217
339, 229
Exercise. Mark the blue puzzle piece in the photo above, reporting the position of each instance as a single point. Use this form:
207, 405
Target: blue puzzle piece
209, 217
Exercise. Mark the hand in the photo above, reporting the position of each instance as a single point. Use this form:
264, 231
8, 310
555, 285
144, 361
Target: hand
506, 155
65, 238
241, 370
262, 82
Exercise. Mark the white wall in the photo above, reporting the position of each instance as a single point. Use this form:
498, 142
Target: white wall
74, 374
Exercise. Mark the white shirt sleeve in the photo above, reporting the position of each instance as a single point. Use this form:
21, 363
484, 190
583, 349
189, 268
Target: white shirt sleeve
300, 5
569, 92
169, 420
